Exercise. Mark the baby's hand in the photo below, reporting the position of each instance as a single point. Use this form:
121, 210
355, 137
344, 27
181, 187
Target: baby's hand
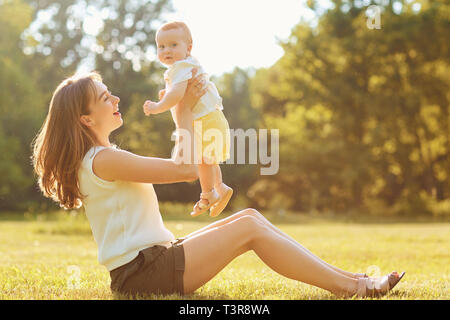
148, 106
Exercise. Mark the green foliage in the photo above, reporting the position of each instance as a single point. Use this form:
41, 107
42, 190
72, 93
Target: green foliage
119, 48
21, 107
234, 87
363, 113
56, 43
13, 178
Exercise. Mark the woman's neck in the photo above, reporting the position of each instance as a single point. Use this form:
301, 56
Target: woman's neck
103, 141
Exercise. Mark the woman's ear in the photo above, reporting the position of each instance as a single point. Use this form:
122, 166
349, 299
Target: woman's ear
86, 120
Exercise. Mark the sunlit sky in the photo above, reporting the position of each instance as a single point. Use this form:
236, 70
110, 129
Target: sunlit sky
243, 33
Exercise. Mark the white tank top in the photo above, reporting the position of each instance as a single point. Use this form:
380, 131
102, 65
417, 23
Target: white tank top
124, 216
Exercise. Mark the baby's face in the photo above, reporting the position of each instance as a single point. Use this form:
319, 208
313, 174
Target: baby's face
172, 46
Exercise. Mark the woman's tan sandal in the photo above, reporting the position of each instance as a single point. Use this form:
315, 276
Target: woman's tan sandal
368, 287
225, 196
200, 207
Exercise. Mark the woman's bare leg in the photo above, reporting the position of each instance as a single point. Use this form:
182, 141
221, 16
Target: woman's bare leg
259, 216
203, 260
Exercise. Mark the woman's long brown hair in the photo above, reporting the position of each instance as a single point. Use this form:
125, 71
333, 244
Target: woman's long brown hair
63, 140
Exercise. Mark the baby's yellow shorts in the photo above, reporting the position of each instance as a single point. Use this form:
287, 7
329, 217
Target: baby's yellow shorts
212, 138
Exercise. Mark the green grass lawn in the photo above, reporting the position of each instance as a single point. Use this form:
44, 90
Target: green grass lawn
36, 254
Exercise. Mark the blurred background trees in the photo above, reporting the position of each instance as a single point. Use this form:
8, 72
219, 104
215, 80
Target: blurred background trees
363, 113
21, 107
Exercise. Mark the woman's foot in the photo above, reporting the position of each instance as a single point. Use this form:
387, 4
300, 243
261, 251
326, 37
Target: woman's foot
365, 286
377, 287
225, 193
207, 200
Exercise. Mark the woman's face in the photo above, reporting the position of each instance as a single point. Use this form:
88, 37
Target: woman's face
104, 114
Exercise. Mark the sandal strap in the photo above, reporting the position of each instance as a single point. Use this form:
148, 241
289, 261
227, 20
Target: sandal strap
210, 196
207, 195
201, 205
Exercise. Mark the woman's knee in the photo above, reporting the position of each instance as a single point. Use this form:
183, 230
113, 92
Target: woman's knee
248, 212
251, 227
254, 213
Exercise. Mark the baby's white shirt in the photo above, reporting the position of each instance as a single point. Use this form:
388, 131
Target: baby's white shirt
181, 71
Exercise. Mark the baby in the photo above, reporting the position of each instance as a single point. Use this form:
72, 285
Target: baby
174, 44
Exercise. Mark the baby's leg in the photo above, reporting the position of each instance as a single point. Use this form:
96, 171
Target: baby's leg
220, 187
218, 176
207, 176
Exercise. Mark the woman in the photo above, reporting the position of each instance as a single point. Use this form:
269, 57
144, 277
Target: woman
77, 165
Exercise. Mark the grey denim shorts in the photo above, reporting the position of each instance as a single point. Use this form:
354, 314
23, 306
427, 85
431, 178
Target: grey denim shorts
156, 270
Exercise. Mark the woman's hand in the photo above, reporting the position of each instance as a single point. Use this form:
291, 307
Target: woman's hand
161, 94
195, 89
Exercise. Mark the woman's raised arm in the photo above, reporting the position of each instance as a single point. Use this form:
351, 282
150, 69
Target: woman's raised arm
111, 165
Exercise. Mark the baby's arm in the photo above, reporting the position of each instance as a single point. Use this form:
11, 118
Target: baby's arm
170, 99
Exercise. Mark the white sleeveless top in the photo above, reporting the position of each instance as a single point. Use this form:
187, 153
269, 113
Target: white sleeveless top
124, 216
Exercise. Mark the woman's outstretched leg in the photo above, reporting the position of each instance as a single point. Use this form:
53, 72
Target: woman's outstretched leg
208, 252
256, 214
281, 233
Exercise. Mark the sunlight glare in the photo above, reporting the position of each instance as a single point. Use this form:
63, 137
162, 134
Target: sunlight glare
237, 33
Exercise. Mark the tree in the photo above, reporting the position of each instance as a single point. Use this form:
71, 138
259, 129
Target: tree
364, 113
234, 88
113, 37
21, 111
41, 43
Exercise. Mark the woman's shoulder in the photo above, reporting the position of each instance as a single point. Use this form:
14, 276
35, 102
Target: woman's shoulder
111, 162
94, 150
99, 156
102, 154
89, 165
99, 159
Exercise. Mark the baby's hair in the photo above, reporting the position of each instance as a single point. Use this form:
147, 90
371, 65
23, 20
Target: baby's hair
176, 25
